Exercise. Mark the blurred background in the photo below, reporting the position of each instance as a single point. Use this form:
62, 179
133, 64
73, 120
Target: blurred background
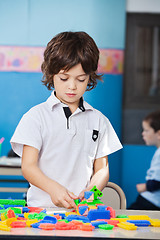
127, 33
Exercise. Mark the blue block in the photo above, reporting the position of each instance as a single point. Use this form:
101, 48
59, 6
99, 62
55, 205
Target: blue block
82, 209
87, 194
96, 223
50, 219
25, 210
98, 214
140, 223
77, 217
43, 211
36, 225
102, 207
20, 215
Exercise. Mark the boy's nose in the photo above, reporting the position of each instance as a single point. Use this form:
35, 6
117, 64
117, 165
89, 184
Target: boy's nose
72, 84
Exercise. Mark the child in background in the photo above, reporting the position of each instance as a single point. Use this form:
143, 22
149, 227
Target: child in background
64, 142
149, 192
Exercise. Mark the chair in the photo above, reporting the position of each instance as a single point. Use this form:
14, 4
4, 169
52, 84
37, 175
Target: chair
114, 196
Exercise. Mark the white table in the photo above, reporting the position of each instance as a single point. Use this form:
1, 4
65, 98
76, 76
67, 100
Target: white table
97, 234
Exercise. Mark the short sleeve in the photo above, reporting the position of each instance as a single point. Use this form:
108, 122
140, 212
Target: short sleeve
108, 141
153, 172
28, 132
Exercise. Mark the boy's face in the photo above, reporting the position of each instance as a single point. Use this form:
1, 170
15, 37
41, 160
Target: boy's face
70, 85
149, 135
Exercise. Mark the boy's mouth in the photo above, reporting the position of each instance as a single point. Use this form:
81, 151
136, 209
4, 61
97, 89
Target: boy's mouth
70, 94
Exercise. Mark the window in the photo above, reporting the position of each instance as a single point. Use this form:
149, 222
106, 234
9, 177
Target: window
141, 73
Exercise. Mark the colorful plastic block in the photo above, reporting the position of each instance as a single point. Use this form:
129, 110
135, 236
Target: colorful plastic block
120, 219
97, 223
88, 194
98, 214
77, 217
138, 217
65, 226
127, 226
97, 193
47, 226
155, 222
4, 227
30, 222
113, 222
106, 226
121, 216
18, 224
83, 210
10, 220
140, 223
86, 227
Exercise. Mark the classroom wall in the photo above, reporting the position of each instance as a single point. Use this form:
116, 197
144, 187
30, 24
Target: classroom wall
34, 23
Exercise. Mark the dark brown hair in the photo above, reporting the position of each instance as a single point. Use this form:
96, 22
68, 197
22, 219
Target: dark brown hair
66, 50
154, 120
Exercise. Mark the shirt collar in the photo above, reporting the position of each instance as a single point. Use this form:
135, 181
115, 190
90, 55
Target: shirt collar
53, 101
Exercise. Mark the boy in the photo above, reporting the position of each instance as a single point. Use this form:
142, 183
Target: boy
149, 192
64, 142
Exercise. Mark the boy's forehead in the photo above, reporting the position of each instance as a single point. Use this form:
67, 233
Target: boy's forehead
76, 70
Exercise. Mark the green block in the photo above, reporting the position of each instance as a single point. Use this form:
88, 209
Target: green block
77, 201
16, 210
106, 226
121, 216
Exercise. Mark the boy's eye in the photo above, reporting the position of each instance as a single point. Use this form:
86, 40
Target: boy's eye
81, 80
64, 79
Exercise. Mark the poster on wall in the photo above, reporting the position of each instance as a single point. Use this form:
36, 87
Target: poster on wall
21, 59
29, 59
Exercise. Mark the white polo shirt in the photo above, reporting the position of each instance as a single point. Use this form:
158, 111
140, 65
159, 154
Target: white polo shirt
68, 144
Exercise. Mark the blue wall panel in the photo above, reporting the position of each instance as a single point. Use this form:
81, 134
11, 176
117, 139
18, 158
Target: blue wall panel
19, 92
14, 22
136, 161
35, 22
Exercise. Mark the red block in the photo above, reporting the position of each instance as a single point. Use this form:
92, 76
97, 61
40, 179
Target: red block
18, 224
11, 214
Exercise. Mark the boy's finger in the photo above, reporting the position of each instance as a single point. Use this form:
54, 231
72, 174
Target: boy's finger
71, 202
81, 195
72, 195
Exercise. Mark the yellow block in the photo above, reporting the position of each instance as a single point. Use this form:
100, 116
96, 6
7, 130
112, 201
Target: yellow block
155, 222
31, 221
10, 220
26, 215
70, 213
4, 227
139, 217
120, 219
127, 226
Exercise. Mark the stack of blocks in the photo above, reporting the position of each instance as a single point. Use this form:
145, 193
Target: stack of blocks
91, 213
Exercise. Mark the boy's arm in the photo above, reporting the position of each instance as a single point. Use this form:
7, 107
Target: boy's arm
150, 185
60, 196
100, 175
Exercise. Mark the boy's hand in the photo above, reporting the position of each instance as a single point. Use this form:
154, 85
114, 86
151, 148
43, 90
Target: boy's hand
141, 187
61, 197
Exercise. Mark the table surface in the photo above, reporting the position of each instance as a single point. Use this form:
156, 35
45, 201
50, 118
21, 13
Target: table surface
115, 233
